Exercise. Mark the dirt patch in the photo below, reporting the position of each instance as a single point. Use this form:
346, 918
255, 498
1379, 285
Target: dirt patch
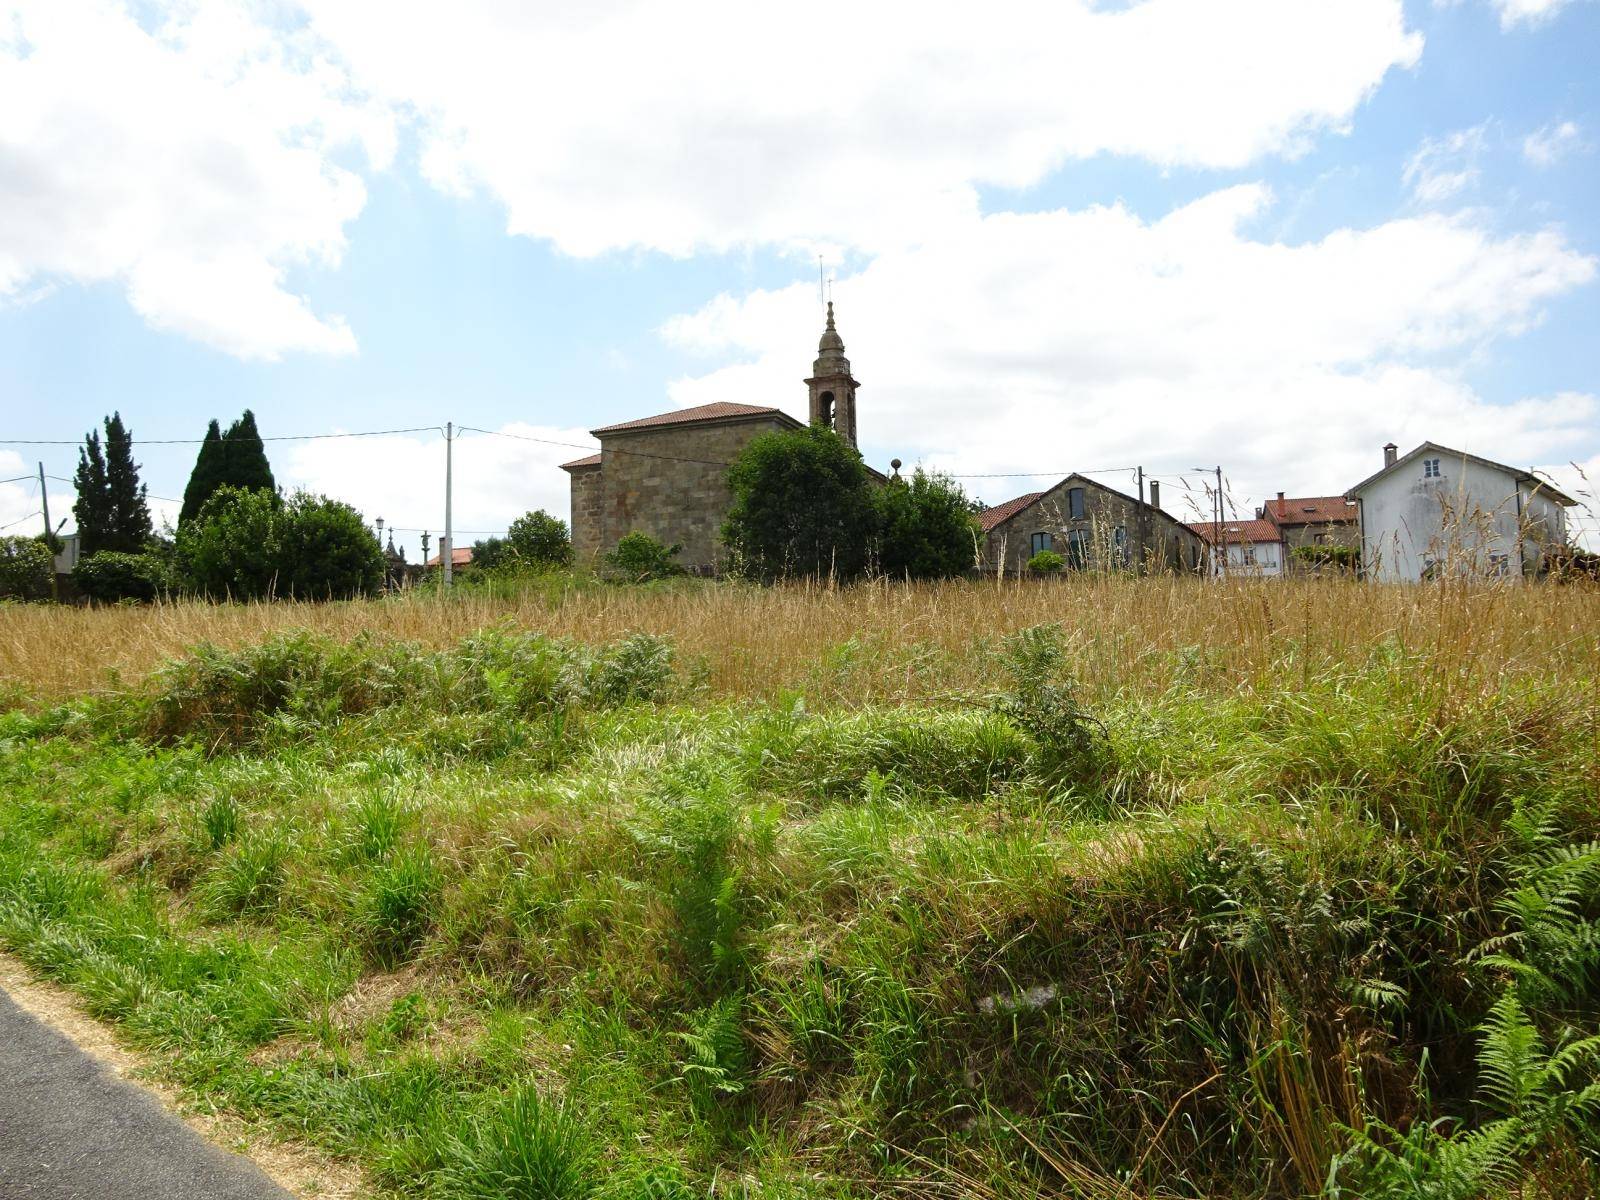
306, 1172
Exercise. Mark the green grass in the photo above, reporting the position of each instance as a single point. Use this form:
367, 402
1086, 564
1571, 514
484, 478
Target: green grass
523, 917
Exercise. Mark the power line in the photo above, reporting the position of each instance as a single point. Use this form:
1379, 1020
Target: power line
523, 437
286, 437
20, 520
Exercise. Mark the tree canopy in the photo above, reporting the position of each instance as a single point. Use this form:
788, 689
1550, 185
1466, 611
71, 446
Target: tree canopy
536, 540
926, 528
111, 510
237, 458
802, 506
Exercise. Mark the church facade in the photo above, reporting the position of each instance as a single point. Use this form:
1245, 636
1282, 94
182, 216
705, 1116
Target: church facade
667, 475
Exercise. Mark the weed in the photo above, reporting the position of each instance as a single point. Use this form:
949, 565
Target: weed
524, 1148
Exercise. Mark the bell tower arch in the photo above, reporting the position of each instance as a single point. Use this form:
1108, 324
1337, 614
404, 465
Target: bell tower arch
833, 388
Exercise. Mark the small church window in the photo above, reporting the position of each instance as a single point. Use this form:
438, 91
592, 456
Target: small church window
827, 409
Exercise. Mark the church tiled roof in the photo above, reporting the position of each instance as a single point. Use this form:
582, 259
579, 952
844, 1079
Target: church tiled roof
592, 461
721, 410
990, 517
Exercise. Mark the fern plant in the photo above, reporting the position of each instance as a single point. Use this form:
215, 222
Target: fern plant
715, 1060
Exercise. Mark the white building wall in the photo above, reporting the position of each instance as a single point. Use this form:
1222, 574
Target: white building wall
1256, 560
1466, 521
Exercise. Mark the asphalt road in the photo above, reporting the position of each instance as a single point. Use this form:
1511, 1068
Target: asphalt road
71, 1130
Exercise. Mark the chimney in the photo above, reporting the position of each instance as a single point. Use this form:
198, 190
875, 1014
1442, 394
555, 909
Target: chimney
1155, 494
1390, 450
1280, 497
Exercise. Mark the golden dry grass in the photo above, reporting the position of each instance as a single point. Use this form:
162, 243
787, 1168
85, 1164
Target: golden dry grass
892, 642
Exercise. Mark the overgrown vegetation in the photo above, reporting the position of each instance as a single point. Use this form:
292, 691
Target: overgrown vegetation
1289, 909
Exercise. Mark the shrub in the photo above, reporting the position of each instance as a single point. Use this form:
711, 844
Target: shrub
111, 575
1046, 562
1071, 745
802, 507
326, 550
26, 565
538, 539
926, 529
640, 557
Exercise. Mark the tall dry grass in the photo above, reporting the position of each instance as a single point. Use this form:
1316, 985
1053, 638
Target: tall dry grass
889, 642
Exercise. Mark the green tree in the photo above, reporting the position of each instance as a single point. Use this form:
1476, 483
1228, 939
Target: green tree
491, 554
206, 477
925, 528
326, 551
237, 458
230, 549
539, 539
111, 509
26, 565
802, 506
111, 575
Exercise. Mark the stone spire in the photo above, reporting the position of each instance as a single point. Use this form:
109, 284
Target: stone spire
833, 388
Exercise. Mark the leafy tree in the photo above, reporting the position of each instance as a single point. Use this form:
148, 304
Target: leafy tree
640, 557
111, 575
326, 550
538, 538
925, 528
802, 506
491, 554
111, 509
253, 545
26, 566
237, 458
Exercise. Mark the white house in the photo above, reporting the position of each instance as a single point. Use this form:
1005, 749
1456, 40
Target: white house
1255, 549
1440, 511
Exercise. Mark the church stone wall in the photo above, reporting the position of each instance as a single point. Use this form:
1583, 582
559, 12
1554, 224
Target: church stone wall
675, 501
587, 500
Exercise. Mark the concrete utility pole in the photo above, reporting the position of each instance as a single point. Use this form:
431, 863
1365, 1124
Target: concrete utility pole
1219, 566
447, 549
44, 503
1139, 563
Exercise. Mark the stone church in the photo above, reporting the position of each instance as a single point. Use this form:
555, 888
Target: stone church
666, 475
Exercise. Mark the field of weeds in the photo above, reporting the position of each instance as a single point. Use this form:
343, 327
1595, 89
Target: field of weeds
1106, 888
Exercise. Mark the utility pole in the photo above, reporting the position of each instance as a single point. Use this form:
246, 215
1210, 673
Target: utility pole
447, 543
1139, 563
1219, 566
49, 540
1218, 525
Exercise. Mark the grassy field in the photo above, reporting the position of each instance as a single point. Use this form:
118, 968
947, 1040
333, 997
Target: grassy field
1101, 888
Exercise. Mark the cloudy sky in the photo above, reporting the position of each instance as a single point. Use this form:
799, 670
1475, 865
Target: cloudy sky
1270, 234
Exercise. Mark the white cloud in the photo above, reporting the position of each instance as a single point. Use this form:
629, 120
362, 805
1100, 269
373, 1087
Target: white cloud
678, 127
1527, 12
1073, 339
401, 479
1548, 146
190, 163
1443, 167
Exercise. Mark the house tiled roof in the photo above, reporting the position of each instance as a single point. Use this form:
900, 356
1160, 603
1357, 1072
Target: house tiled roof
990, 517
1311, 510
1240, 532
461, 556
721, 410
592, 461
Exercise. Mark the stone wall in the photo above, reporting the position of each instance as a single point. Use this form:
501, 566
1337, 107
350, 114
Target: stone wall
646, 484
1167, 543
587, 495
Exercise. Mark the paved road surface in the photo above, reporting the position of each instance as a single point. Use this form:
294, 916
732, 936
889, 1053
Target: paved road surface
70, 1130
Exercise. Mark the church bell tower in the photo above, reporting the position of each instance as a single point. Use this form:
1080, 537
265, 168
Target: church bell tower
833, 388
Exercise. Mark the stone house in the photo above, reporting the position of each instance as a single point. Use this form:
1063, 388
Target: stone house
1090, 525
1312, 521
1441, 512
667, 475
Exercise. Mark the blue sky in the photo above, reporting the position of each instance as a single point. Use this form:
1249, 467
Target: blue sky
1270, 235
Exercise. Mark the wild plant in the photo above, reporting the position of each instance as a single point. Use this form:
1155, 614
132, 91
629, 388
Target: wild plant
248, 879
526, 1147
715, 1063
219, 821
395, 908
638, 669
1071, 746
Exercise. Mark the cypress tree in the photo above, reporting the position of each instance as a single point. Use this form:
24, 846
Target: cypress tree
245, 456
92, 508
111, 508
206, 476
129, 526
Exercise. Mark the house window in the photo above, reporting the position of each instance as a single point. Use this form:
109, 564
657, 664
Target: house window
1249, 555
1121, 541
1500, 565
1077, 547
1040, 541
1075, 503
1430, 468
